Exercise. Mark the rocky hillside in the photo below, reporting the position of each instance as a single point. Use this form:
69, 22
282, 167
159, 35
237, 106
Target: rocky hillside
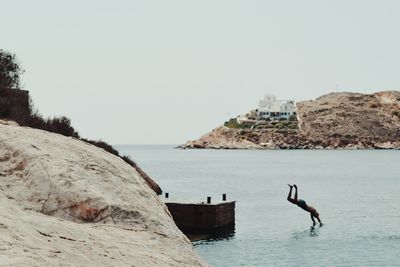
66, 202
332, 121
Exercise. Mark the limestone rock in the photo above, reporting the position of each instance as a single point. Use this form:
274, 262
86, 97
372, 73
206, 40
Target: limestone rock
385, 145
66, 202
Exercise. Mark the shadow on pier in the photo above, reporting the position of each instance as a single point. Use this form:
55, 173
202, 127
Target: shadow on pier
223, 233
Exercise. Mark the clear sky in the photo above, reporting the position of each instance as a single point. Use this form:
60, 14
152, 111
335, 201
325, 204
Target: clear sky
163, 72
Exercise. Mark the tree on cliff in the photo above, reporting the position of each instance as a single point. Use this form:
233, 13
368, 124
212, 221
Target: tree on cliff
10, 70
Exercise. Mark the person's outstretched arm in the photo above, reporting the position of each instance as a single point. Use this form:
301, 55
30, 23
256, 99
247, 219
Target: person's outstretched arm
295, 192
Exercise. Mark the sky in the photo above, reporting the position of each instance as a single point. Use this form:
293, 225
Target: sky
164, 72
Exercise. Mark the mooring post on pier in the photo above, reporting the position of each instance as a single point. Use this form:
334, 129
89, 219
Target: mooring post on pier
166, 195
223, 197
208, 200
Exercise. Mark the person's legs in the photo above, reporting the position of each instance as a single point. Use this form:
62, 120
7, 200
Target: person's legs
289, 197
315, 214
319, 220
312, 218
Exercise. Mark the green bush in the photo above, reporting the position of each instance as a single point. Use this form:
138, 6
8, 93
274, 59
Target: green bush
286, 125
233, 123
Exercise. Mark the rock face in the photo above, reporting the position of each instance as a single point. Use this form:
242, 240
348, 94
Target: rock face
66, 202
333, 121
222, 137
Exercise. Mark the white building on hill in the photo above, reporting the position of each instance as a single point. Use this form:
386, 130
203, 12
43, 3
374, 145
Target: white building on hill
272, 109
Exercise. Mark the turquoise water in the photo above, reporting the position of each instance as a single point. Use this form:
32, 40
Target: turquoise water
357, 194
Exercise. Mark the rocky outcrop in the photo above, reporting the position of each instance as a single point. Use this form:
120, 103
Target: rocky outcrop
333, 121
222, 137
66, 202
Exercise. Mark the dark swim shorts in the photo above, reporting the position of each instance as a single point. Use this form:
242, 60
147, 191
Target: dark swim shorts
302, 204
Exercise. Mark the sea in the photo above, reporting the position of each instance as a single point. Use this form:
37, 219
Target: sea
356, 192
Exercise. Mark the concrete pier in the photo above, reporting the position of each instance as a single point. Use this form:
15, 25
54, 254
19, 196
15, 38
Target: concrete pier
202, 217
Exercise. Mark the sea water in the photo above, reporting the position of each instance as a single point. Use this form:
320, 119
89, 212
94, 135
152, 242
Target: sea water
357, 194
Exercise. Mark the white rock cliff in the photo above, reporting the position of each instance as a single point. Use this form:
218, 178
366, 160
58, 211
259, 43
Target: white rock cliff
65, 202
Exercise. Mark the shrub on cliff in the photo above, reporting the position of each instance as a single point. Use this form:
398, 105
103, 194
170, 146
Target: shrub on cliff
10, 70
60, 125
233, 123
104, 146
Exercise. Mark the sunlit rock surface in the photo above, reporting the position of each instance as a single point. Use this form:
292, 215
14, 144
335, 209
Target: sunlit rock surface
65, 202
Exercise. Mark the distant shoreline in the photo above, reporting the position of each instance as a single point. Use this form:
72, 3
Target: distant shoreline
350, 121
